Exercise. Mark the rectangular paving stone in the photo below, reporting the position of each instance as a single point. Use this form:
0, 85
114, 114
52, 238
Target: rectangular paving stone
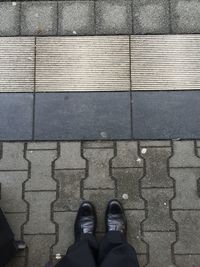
98, 63
41, 146
151, 16
113, 17
185, 16
166, 115
83, 116
165, 62
98, 144
76, 18
9, 18
154, 143
16, 116
17, 64
39, 18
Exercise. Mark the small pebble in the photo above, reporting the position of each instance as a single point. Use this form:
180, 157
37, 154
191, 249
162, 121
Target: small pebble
125, 196
144, 150
74, 32
58, 256
103, 134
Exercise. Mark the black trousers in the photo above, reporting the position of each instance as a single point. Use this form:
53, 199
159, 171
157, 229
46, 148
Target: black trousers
7, 247
113, 251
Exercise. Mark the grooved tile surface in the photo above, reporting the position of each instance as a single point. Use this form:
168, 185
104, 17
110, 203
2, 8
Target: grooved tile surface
17, 64
83, 63
165, 62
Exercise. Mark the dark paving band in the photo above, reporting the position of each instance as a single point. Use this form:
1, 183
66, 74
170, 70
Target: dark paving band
100, 115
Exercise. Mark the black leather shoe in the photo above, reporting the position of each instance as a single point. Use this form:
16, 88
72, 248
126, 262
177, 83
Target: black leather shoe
115, 217
86, 220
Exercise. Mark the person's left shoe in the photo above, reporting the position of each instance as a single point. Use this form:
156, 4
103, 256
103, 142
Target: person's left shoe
115, 218
86, 221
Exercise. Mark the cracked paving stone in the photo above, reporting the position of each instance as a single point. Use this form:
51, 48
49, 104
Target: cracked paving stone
13, 157
160, 248
184, 155
189, 234
69, 189
41, 170
70, 156
156, 159
151, 16
37, 244
186, 188
134, 218
39, 214
158, 210
65, 221
100, 199
128, 183
127, 155
11, 191
98, 170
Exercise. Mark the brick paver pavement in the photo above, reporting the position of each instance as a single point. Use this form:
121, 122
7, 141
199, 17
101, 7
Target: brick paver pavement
42, 185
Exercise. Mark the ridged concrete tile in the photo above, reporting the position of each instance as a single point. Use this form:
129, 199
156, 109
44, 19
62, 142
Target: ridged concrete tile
17, 64
165, 62
83, 63
166, 115
82, 116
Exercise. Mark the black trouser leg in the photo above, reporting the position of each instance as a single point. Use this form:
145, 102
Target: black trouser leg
114, 251
81, 254
7, 248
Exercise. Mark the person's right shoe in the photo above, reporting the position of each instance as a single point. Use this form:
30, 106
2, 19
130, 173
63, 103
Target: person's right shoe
86, 220
115, 217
